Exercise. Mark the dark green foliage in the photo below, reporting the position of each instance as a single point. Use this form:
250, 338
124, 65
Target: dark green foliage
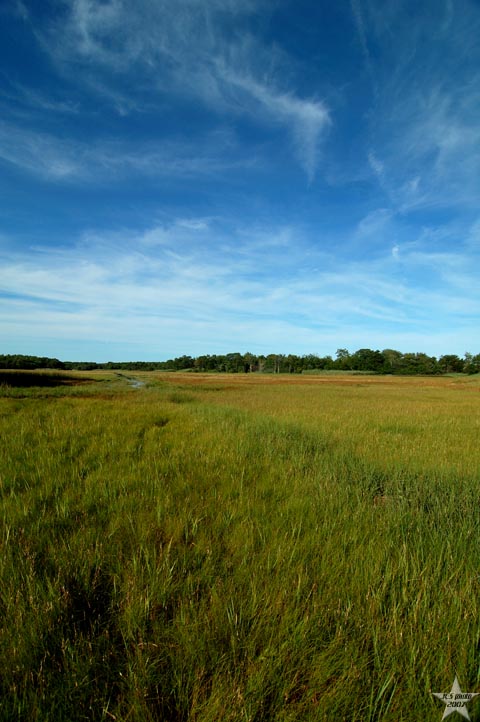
388, 361
19, 361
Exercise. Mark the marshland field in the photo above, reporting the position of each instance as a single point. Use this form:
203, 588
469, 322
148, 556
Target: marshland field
238, 546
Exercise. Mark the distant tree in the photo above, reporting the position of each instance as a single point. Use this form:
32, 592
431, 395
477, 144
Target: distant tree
343, 359
327, 363
450, 364
310, 362
21, 361
419, 363
234, 362
273, 363
250, 362
367, 360
262, 361
182, 362
471, 364
392, 360
293, 364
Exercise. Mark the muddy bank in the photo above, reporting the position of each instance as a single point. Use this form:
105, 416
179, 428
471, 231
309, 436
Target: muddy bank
22, 379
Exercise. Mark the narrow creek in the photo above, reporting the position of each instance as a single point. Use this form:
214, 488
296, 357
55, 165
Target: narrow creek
136, 383
133, 382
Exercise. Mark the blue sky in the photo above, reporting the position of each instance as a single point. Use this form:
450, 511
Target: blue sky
209, 176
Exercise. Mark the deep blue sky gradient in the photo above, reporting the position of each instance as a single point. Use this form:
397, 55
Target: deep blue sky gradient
207, 176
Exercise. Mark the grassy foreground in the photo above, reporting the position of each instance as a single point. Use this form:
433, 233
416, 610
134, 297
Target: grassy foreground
238, 547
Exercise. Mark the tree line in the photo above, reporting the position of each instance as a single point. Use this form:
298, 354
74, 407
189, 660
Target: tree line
387, 361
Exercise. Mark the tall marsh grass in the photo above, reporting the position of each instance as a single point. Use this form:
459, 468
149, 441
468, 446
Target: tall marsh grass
257, 551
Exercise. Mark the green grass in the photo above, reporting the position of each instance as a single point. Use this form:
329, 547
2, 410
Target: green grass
220, 548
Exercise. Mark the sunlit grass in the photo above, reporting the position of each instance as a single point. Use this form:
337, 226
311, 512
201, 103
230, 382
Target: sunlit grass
243, 548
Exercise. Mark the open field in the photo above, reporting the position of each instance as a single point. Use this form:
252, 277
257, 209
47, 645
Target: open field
238, 547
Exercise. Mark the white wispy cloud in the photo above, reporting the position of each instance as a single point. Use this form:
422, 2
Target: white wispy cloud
308, 119
53, 158
186, 49
362, 36
40, 153
134, 286
376, 165
29, 99
375, 224
424, 122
